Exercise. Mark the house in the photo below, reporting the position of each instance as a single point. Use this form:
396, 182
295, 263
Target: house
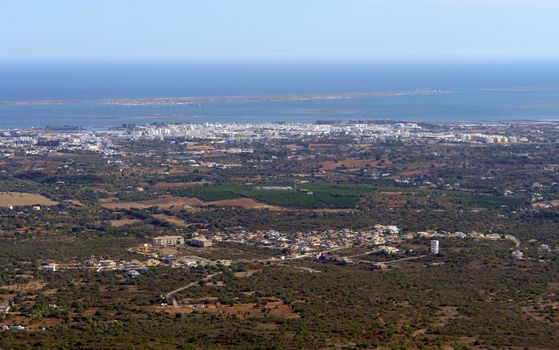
132, 273
90, 262
152, 262
51, 267
388, 249
329, 258
380, 266
107, 264
201, 242
169, 259
48, 266
163, 241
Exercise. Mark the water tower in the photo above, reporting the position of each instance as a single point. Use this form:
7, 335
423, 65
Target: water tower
434, 247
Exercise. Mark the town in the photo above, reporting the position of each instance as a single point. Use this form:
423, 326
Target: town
106, 141
293, 227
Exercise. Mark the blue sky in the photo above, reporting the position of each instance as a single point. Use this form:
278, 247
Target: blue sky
278, 29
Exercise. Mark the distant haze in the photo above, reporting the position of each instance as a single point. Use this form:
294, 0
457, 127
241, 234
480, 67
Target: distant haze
278, 29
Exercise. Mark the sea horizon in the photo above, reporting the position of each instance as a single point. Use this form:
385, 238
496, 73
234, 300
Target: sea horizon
37, 94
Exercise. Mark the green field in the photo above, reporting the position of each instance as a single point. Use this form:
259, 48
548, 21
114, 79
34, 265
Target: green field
489, 202
315, 195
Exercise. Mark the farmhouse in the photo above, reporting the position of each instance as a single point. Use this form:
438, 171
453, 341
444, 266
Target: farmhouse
107, 264
201, 242
163, 241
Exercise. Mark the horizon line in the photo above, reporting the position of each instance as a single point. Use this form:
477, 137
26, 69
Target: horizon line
290, 60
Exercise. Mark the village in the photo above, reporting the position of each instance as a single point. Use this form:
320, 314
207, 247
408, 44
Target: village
315, 245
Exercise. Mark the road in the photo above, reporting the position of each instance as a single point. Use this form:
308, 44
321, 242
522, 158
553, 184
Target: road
515, 240
392, 261
308, 269
169, 295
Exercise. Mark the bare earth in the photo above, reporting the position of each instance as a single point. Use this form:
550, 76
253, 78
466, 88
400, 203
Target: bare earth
242, 202
172, 219
17, 199
549, 204
165, 202
274, 306
23, 288
350, 164
123, 222
180, 184
168, 202
246, 274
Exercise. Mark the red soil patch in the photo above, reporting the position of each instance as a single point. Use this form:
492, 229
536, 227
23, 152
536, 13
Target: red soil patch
321, 145
90, 312
279, 309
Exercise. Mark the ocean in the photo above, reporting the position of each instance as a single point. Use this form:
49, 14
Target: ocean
77, 93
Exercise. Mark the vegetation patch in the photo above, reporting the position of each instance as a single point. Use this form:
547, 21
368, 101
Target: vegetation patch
304, 195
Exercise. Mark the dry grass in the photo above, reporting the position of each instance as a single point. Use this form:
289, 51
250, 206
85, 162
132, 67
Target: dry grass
24, 288
17, 199
273, 307
248, 203
246, 274
543, 205
168, 202
123, 222
172, 219
165, 202
448, 313
33, 326
350, 164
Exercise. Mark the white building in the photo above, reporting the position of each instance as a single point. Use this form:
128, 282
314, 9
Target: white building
517, 255
434, 246
50, 267
167, 241
132, 273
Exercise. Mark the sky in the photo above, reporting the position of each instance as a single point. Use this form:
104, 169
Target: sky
105, 30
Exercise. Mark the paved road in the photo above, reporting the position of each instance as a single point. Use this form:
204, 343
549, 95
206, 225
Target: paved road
169, 295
